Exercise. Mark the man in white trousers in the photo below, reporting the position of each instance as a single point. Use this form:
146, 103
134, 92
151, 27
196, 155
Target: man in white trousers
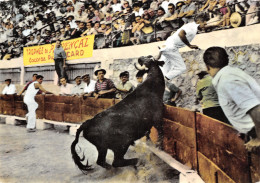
32, 105
169, 53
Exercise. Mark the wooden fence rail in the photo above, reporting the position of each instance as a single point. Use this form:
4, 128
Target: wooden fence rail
207, 145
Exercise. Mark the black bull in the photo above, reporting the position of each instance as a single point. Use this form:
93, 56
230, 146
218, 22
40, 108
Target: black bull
119, 126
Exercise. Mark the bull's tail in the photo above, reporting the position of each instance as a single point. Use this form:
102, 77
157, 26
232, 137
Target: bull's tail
75, 156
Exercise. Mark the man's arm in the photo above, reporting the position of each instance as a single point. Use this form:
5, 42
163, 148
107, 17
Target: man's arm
255, 115
182, 35
39, 86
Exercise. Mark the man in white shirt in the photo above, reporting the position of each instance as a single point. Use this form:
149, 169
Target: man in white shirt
29, 100
238, 94
89, 85
65, 88
138, 11
78, 89
169, 53
9, 89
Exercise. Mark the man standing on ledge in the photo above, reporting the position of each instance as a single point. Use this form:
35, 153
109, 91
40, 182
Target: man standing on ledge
60, 61
31, 103
169, 53
238, 95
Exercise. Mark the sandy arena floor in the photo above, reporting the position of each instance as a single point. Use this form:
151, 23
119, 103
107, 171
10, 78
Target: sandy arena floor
44, 157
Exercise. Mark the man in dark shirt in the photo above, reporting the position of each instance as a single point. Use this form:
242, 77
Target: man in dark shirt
104, 88
59, 59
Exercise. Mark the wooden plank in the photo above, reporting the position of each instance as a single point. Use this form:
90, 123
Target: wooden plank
221, 134
54, 107
20, 112
211, 173
74, 118
85, 117
8, 111
255, 166
179, 132
51, 115
57, 99
100, 103
180, 151
220, 156
183, 116
90, 111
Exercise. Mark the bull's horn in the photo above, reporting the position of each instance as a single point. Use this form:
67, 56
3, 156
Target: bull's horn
139, 67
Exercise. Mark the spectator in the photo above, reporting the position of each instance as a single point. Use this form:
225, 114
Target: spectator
136, 30
124, 87
161, 24
89, 85
171, 16
174, 64
9, 89
60, 60
104, 88
238, 94
31, 42
65, 88
79, 31
16, 50
89, 31
31, 103
209, 6
188, 11
252, 17
78, 88
98, 17
171, 94
139, 77
209, 99
68, 31
138, 11
225, 12
116, 6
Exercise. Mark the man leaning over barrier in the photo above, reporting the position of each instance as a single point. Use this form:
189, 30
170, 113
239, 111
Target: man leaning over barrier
29, 100
238, 94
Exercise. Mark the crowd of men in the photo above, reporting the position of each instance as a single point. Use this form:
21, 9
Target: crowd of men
114, 23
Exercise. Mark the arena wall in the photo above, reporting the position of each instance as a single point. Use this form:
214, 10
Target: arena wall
242, 44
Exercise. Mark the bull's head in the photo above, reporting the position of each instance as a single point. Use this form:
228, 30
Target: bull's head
144, 63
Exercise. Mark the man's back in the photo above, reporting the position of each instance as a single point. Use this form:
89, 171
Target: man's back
238, 93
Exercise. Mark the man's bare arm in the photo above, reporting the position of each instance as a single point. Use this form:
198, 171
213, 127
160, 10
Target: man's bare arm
255, 115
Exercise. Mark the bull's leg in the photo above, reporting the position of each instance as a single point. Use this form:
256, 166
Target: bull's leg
102, 153
119, 160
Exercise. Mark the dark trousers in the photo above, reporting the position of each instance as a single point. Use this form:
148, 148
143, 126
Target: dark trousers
216, 113
61, 72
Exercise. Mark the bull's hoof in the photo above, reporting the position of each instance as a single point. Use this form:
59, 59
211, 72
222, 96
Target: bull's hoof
104, 165
125, 162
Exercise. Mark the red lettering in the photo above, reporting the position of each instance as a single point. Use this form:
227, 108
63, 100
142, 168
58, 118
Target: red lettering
86, 43
75, 46
77, 52
81, 52
81, 43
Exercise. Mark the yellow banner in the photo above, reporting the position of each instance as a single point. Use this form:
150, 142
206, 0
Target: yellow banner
75, 48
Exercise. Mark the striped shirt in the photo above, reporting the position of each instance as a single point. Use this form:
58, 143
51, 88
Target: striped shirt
107, 84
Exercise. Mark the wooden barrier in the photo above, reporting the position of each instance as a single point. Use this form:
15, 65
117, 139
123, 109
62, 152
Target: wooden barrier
222, 150
211, 147
180, 135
